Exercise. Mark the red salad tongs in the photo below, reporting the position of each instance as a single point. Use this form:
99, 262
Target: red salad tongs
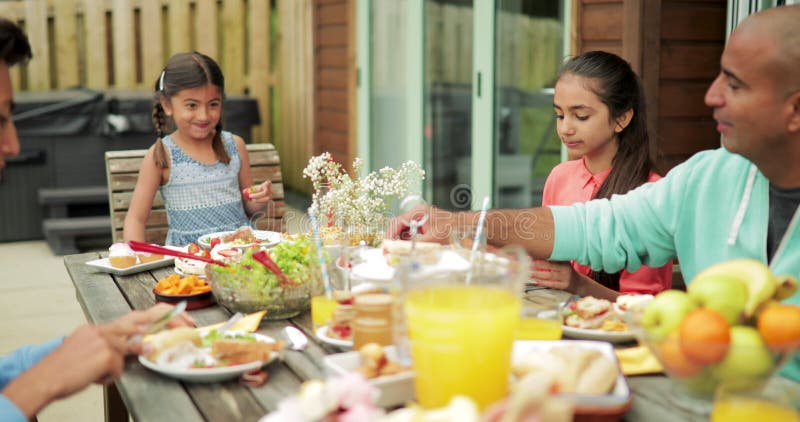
264, 258
146, 247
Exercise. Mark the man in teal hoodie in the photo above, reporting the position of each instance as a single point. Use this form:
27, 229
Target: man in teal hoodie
739, 201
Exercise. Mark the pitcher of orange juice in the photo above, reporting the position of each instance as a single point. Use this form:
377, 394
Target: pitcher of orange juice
461, 327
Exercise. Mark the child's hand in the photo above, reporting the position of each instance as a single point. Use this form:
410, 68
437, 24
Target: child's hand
555, 275
258, 193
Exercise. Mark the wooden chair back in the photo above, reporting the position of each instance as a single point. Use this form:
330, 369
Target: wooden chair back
122, 171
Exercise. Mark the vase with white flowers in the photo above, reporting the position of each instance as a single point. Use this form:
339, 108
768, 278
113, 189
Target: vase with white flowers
356, 206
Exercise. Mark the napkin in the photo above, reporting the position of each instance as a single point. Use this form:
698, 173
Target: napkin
638, 360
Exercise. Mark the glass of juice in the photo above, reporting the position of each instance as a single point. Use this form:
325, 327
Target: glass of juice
764, 403
540, 321
461, 328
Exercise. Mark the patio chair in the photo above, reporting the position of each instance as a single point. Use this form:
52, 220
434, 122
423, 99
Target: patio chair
122, 171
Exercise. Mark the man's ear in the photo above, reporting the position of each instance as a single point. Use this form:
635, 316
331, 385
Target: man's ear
623, 121
793, 105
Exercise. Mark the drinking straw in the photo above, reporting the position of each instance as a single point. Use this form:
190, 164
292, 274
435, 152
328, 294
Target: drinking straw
478, 233
318, 240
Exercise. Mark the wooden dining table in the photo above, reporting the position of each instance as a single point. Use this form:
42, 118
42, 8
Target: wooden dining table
149, 396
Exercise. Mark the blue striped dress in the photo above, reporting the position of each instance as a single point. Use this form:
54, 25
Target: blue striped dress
202, 198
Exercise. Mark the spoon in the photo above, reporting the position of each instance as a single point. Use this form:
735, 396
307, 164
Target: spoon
297, 339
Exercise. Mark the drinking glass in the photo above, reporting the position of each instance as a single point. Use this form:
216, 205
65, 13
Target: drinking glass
461, 327
540, 322
764, 403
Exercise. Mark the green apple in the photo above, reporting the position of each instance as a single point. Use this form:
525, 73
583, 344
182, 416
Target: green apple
665, 313
721, 293
748, 361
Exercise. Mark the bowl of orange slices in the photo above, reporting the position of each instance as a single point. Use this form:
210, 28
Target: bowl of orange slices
174, 289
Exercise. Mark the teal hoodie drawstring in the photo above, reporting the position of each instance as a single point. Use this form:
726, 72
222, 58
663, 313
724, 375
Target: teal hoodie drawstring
738, 219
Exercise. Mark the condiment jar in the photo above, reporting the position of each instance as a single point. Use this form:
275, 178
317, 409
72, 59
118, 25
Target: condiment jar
371, 330
373, 321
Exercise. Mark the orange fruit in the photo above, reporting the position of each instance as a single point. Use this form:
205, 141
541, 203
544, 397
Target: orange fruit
673, 358
779, 326
704, 336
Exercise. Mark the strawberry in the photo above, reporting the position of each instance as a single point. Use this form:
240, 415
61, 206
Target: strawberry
250, 191
215, 241
193, 248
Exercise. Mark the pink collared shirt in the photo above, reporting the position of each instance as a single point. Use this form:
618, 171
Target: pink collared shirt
571, 182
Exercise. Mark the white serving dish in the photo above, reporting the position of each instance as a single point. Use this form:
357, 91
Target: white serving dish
105, 266
267, 238
620, 395
395, 389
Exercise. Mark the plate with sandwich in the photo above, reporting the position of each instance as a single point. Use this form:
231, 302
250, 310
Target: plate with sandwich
189, 355
590, 318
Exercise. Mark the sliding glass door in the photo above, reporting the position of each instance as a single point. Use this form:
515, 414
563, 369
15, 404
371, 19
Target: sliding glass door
464, 87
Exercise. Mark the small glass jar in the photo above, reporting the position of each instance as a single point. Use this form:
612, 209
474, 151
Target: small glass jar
374, 305
371, 330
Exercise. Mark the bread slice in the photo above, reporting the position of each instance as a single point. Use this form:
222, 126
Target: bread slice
242, 351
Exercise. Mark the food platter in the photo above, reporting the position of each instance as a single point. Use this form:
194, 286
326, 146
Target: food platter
620, 395
322, 335
210, 374
267, 238
596, 334
105, 266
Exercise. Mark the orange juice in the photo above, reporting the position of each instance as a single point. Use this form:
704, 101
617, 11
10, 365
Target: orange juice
751, 409
322, 310
539, 329
461, 339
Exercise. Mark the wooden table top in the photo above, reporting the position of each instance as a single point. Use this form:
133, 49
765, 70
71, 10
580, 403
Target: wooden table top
149, 396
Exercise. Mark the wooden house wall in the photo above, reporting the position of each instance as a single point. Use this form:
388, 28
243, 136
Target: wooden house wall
675, 46
335, 78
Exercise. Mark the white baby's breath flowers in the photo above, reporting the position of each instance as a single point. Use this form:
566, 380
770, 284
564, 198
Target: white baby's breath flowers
356, 203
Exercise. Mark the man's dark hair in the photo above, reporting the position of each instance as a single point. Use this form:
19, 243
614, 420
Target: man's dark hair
14, 46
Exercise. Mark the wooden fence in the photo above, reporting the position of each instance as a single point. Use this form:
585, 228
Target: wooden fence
124, 44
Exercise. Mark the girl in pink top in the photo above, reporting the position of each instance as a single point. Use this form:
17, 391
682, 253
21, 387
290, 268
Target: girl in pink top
600, 117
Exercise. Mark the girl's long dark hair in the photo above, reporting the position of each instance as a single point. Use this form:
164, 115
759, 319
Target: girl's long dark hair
186, 71
615, 83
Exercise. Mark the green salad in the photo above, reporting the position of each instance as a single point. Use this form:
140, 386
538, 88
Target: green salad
248, 285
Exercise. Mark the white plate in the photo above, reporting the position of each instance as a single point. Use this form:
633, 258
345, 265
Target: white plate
594, 334
210, 374
375, 268
105, 266
621, 393
266, 237
395, 389
322, 335
183, 274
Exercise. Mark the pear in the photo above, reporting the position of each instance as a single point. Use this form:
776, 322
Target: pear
787, 286
748, 361
722, 293
761, 284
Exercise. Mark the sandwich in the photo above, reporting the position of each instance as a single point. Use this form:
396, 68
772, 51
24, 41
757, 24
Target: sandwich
396, 250
238, 351
589, 312
163, 341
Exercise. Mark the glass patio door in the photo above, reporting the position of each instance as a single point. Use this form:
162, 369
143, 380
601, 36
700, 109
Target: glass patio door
463, 87
528, 49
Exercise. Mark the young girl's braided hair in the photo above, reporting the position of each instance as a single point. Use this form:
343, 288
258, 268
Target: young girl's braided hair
186, 71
